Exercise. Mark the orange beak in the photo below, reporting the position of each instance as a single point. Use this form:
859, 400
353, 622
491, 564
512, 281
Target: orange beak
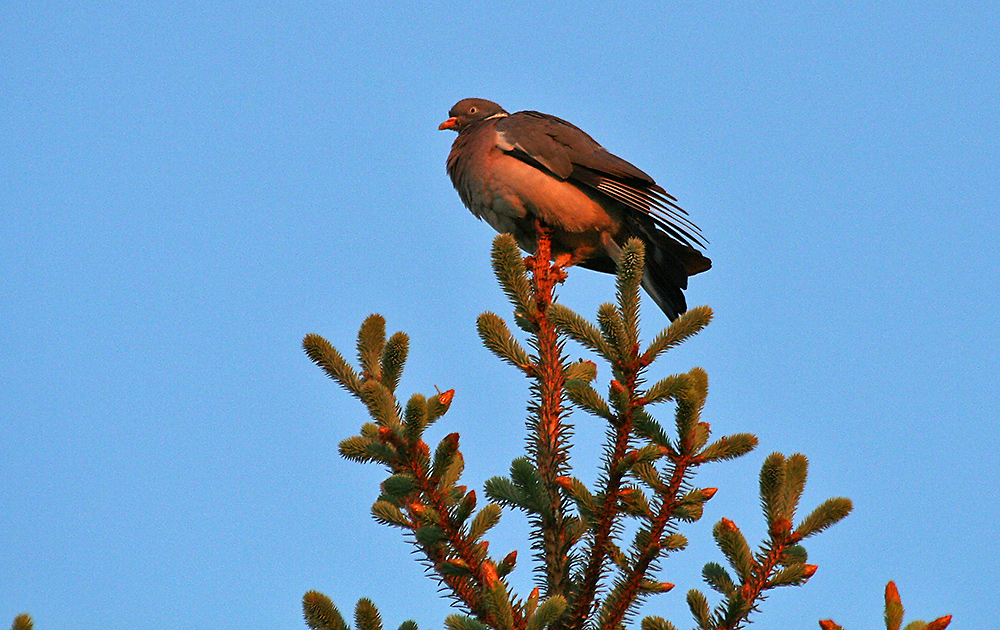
451, 123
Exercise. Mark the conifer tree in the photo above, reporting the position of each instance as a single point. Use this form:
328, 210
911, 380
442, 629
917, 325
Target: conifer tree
588, 576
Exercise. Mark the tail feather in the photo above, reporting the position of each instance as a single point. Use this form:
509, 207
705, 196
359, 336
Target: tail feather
668, 265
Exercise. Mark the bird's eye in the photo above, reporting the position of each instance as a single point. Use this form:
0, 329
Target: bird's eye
472, 110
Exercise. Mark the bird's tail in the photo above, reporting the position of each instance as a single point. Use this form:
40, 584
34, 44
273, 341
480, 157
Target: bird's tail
668, 265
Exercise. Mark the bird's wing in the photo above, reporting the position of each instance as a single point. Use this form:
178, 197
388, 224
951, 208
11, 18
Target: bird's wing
544, 141
569, 153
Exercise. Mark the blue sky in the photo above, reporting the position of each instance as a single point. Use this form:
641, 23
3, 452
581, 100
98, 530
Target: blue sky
188, 190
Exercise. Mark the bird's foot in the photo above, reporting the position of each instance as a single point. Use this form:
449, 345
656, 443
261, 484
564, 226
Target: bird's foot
559, 275
555, 270
558, 263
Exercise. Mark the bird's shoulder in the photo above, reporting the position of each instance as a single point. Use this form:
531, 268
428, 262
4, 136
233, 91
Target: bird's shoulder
560, 147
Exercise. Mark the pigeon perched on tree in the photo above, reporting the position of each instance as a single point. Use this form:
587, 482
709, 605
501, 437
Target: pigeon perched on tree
514, 169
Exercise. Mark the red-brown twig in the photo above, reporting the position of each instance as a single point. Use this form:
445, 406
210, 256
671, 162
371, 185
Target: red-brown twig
549, 448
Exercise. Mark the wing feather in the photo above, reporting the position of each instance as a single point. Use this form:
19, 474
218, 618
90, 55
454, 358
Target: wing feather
568, 153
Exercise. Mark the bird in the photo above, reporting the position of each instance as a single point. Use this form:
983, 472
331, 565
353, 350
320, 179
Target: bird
513, 169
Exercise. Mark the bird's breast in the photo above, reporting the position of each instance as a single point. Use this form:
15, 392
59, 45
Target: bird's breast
500, 188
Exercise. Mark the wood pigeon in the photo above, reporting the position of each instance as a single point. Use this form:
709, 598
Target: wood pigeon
510, 169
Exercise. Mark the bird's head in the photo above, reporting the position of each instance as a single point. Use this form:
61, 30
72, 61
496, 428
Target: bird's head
469, 111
